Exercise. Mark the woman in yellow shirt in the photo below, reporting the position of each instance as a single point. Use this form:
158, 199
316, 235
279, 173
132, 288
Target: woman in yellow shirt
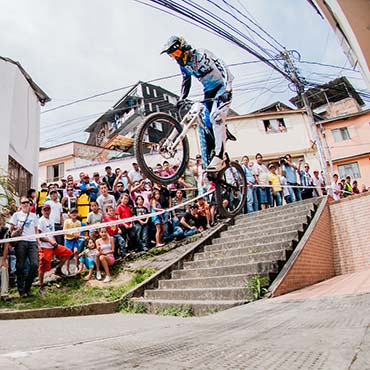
277, 190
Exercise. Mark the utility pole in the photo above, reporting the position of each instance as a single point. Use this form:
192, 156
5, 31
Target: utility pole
298, 81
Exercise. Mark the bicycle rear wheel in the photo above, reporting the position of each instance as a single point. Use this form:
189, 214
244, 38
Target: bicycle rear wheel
154, 145
231, 190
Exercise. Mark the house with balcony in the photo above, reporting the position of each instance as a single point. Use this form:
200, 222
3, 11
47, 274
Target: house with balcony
20, 104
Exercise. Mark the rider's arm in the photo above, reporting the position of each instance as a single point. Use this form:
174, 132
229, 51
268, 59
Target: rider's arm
186, 83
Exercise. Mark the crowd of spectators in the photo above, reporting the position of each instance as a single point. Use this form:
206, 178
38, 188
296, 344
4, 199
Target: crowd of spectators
121, 194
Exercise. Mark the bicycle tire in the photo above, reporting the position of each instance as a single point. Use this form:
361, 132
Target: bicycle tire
139, 148
236, 191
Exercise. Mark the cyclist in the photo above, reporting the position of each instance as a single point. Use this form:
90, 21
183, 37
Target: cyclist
217, 87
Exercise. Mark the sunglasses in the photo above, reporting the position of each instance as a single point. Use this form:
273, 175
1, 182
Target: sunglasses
25, 202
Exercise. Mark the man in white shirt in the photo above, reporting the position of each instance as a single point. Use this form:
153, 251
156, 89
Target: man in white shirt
56, 214
261, 175
27, 222
135, 173
335, 187
105, 199
49, 247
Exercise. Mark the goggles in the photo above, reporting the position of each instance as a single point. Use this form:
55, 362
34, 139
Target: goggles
176, 53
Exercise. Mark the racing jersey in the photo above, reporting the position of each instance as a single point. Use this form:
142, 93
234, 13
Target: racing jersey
211, 71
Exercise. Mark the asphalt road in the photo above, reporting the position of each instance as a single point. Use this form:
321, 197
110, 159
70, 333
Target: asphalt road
320, 333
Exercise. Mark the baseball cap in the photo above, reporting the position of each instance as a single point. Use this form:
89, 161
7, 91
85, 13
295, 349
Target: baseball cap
46, 206
96, 174
53, 191
73, 210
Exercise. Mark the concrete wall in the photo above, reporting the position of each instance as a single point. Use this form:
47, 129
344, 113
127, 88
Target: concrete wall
312, 260
19, 120
350, 229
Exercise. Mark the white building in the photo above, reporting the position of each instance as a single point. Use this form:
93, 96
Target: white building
20, 100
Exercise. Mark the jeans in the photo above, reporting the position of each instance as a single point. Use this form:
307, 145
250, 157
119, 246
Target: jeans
166, 220
119, 244
277, 199
59, 238
177, 233
295, 193
23, 250
141, 235
190, 232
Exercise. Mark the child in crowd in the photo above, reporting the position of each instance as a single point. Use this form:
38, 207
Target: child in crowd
87, 258
115, 232
141, 226
155, 206
94, 217
104, 255
72, 240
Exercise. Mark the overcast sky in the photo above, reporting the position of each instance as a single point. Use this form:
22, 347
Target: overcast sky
75, 48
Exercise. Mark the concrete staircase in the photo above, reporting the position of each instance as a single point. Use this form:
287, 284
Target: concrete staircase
257, 244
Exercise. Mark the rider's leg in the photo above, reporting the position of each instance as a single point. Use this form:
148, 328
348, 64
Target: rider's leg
218, 118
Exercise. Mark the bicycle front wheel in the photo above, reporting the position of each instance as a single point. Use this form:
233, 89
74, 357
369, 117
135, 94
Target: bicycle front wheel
160, 155
231, 190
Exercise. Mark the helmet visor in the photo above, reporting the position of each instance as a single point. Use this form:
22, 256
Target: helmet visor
176, 53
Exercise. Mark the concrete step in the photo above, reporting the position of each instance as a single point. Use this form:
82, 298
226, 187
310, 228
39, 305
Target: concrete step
196, 308
254, 242
211, 251
278, 222
244, 232
236, 294
279, 255
266, 217
237, 269
231, 281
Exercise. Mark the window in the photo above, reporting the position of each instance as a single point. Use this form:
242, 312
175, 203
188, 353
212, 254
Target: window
349, 169
340, 134
55, 172
274, 126
147, 90
19, 176
155, 93
158, 126
150, 107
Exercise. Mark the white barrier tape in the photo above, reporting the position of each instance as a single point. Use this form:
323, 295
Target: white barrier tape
300, 187
99, 225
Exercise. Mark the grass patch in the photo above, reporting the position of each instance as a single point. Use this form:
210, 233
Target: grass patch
182, 311
74, 291
257, 286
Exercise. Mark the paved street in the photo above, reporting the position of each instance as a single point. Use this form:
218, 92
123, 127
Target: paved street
300, 332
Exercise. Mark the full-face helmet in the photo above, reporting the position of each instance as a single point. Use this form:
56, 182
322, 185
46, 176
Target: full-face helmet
177, 48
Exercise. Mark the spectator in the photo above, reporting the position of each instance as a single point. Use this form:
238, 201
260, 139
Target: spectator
318, 183
116, 233
31, 195
104, 255
251, 201
4, 249
139, 189
135, 174
355, 188
94, 217
284, 185
49, 247
199, 174
188, 181
88, 187
105, 199
155, 206
68, 202
347, 187
72, 239
41, 197
27, 222
336, 188
96, 179
87, 258
261, 174
204, 211
291, 170
364, 189
56, 214
192, 223
141, 226
109, 178
122, 183
124, 211
177, 214
306, 180
165, 201
277, 190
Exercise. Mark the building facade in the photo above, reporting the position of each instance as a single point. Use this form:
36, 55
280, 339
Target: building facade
20, 101
347, 142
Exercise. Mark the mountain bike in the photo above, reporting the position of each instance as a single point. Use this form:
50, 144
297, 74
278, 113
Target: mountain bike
162, 139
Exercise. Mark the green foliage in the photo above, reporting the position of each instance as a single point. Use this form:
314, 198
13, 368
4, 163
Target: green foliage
257, 286
73, 291
7, 190
130, 306
182, 311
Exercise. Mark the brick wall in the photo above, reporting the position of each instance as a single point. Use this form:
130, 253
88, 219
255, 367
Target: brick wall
312, 260
350, 223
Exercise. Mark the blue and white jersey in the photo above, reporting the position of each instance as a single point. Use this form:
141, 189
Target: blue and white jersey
211, 71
